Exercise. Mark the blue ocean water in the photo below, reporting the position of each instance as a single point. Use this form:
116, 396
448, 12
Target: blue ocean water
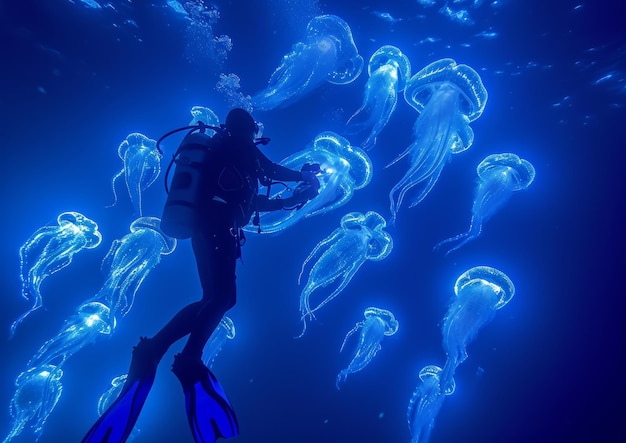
79, 76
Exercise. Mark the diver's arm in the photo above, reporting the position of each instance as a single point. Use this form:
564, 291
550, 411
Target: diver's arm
265, 204
277, 172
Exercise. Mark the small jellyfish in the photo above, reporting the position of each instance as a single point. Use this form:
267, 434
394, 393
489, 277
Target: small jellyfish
37, 392
360, 237
329, 54
110, 395
480, 292
204, 115
142, 166
426, 403
225, 331
50, 249
499, 176
378, 324
389, 69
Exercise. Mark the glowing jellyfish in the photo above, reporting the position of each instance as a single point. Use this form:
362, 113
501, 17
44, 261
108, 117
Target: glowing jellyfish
142, 166
389, 69
329, 54
340, 255
378, 324
447, 97
224, 331
426, 403
480, 292
37, 392
50, 249
499, 176
91, 321
129, 261
204, 115
110, 395
345, 168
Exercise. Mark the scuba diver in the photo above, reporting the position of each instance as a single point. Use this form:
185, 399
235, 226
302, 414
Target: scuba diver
214, 193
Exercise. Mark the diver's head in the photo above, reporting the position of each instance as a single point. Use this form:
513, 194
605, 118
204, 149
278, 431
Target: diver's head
240, 122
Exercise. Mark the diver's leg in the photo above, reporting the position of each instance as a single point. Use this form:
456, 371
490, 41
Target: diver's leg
209, 412
177, 327
216, 267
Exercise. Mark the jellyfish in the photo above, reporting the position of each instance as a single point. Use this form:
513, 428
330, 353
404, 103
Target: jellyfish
340, 255
204, 115
329, 54
224, 331
345, 168
37, 392
50, 249
426, 403
91, 321
480, 292
499, 175
447, 97
110, 395
128, 263
378, 324
142, 166
389, 69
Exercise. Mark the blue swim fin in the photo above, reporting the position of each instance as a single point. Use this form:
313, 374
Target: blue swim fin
210, 414
117, 423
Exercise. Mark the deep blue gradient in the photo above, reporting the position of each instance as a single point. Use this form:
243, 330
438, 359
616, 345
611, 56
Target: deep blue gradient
549, 367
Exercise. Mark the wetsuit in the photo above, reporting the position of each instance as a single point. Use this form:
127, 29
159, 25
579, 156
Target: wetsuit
236, 169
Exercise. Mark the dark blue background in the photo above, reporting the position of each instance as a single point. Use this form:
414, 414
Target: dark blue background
76, 81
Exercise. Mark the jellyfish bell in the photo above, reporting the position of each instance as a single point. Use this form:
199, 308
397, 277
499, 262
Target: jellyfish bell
349, 62
154, 224
391, 55
391, 324
521, 171
463, 78
82, 225
487, 277
433, 372
229, 326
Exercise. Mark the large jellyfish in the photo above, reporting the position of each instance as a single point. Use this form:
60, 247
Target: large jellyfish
224, 331
340, 255
480, 292
329, 54
389, 69
378, 324
425, 404
37, 392
447, 97
50, 249
91, 321
499, 176
128, 263
142, 166
345, 168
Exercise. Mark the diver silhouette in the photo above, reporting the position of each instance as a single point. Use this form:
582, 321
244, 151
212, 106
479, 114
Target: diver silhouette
214, 193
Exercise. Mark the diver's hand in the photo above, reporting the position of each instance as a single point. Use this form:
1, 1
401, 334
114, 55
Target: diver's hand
304, 192
309, 173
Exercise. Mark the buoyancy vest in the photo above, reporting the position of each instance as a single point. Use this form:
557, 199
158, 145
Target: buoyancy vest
212, 174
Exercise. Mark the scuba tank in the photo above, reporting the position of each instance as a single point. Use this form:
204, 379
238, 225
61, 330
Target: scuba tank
191, 158
179, 211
